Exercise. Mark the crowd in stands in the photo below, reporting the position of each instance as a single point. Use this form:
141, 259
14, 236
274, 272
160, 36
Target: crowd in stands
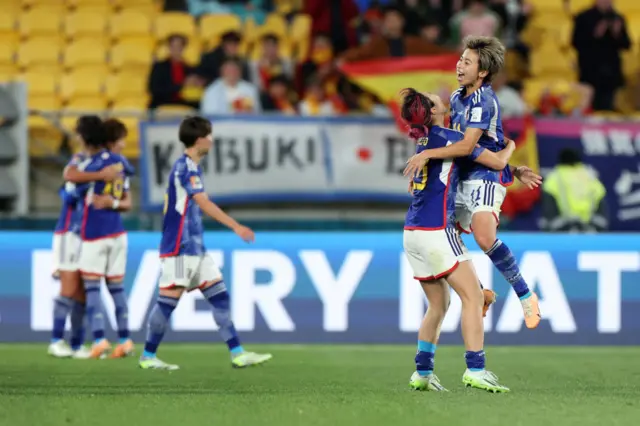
226, 82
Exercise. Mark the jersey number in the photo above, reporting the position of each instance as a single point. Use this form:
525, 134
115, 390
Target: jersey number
115, 188
423, 180
456, 126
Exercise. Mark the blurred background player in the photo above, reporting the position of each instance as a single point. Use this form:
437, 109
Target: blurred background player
476, 112
104, 240
436, 253
185, 262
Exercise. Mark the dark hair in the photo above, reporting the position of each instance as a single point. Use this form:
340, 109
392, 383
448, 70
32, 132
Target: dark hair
114, 130
280, 78
416, 111
270, 37
233, 60
179, 37
231, 36
569, 157
193, 128
393, 9
91, 130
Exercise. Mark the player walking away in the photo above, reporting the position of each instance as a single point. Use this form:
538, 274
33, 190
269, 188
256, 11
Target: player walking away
104, 240
438, 256
185, 262
476, 112
66, 251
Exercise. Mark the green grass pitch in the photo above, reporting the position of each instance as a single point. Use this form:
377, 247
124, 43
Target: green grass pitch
320, 385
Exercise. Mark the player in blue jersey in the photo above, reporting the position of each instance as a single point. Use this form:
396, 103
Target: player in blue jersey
435, 251
476, 112
104, 240
66, 250
185, 262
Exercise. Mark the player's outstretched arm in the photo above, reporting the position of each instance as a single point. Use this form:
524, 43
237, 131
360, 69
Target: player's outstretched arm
73, 174
214, 212
496, 160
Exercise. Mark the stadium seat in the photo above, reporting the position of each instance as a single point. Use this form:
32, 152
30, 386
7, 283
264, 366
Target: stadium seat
38, 52
174, 23
7, 23
275, 24
300, 34
80, 90
172, 111
191, 53
8, 71
7, 53
577, 6
132, 55
213, 26
83, 24
148, 7
555, 6
11, 7
84, 54
137, 104
40, 22
548, 60
126, 85
41, 90
77, 4
132, 148
45, 138
129, 24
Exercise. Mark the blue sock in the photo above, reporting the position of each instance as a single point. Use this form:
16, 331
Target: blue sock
158, 320
95, 314
425, 357
77, 325
218, 297
506, 263
61, 308
475, 360
122, 310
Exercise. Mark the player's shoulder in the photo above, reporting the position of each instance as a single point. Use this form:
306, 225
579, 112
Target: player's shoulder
185, 165
446, 134
484, 96
129, 170
456, 94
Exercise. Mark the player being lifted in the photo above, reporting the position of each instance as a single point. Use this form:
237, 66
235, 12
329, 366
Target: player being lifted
104, 239
476, 112
435, 251
66, 251
185, 262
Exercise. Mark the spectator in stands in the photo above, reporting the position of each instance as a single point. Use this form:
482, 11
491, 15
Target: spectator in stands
511, 103
476, 19
336, 18
321, 65
599, 34
210, 63
417, 13
270, 63
229, 94
169, 77
431, 31
316, 102
277, 98
392, 42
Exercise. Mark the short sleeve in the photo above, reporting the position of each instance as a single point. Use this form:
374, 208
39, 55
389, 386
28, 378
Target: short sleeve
480, 112
191, 179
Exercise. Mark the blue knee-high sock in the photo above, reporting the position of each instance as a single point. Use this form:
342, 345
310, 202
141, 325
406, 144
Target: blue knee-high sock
77, 325
218, 297
506, 263
157, 325
122, 310
61, 308
95, 312
475, 360
425, 357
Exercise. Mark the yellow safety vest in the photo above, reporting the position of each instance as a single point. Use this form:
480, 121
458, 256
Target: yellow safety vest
576, 191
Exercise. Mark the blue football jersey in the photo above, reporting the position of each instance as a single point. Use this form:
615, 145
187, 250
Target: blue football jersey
480, 110
70, 217
104, 223
182, 230
434, 189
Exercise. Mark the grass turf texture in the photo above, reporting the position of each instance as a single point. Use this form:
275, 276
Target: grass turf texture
320, 385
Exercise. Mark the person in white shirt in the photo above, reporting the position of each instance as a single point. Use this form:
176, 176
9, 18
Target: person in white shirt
230, 94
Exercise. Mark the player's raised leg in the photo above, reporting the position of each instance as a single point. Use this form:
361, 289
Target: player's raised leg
465, 283
484, 224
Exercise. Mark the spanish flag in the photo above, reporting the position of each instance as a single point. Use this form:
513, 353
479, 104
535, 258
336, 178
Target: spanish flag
521, 199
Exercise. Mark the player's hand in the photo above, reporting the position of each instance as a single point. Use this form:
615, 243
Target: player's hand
415, 164
110, 173
101, 202
245, 233
528, 177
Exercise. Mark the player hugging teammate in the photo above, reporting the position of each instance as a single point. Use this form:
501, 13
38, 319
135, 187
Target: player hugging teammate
432, 244
97, 190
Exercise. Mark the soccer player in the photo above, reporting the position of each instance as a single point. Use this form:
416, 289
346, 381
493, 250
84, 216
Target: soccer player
185, 262
66, 251
476, 112
104, 240
436, 253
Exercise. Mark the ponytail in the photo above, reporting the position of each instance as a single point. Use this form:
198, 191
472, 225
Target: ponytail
416, 111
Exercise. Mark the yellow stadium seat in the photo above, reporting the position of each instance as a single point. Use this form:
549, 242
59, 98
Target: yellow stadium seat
82, 24
213, 26
577, 6
11, 7
89, 104
300, 28
76, 85
83, 53
275, 24
126, 85
45, 138
129, 24
44, 103
38, 52
172, 111
39, 3
136, 104
77, 4
555, 6
191, 53
40, 83
10, 40
174, 23
149, 9
40, 22
548, 60
7, 23
8, 72
132, 147
131, 56
7, 53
